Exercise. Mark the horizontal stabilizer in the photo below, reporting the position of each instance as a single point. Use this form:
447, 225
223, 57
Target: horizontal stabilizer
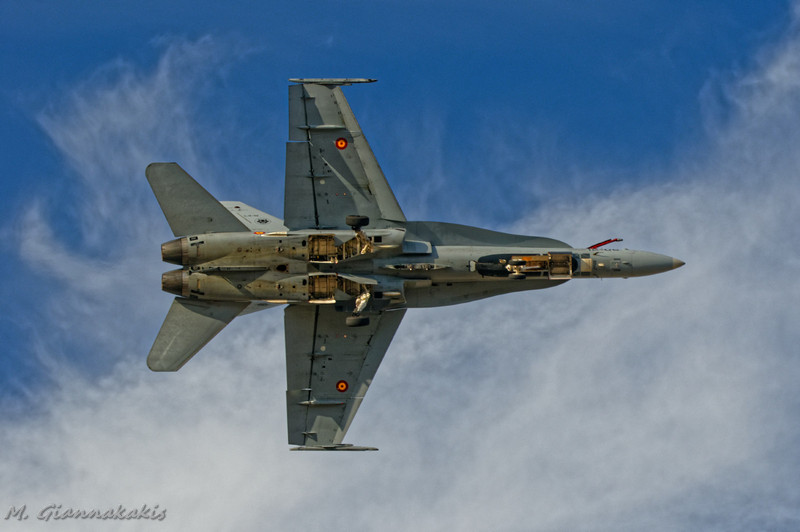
189, 326
189, 208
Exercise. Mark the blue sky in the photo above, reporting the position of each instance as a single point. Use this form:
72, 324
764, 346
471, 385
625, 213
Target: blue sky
660, 403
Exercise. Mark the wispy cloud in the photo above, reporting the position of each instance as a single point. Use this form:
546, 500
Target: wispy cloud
120, 119
108, 128
660, 403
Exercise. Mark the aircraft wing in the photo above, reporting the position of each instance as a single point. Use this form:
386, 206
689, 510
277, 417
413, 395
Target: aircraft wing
331, 171
329, 368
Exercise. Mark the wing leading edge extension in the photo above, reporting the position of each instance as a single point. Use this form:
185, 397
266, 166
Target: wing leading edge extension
329, 368
330, 169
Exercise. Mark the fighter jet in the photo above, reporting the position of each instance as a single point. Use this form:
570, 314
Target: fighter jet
344, 262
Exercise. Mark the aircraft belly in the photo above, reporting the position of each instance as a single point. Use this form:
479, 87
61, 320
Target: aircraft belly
345, 261
476, 263
444, 294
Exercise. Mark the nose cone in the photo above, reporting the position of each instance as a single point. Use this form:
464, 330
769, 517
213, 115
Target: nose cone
646, 263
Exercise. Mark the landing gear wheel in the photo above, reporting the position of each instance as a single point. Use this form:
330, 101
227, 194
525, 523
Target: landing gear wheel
517, 276
356, 221
356, 321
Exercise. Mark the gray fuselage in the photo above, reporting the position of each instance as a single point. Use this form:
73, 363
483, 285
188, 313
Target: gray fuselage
423, 264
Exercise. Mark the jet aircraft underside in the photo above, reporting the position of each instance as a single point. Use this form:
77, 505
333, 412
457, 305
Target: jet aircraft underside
344, 262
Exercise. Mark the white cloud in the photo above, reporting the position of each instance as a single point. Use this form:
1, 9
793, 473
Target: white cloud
660, 403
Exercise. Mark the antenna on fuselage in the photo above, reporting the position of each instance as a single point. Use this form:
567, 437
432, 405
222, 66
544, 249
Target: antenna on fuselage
604, 242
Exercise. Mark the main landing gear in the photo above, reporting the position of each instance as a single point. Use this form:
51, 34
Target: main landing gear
357, 320
356, 222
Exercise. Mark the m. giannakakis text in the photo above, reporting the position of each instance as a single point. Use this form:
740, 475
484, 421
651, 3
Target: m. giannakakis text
57, 512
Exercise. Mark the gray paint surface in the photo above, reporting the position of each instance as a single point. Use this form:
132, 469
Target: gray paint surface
346, 288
